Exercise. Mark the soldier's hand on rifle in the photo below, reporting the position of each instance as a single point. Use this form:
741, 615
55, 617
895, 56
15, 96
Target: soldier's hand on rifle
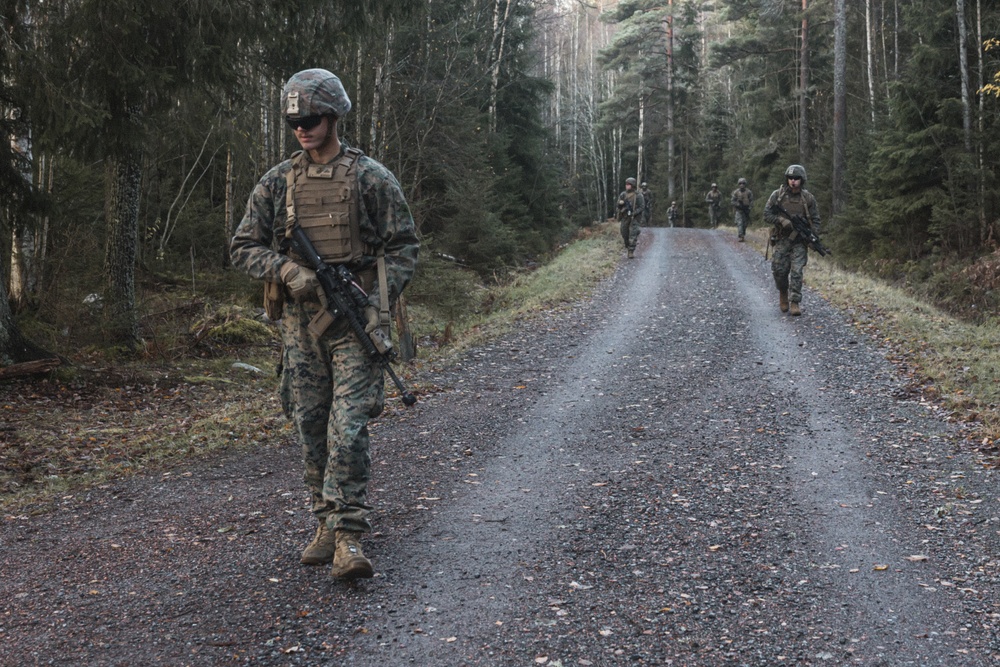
371, 319
298, 279
786, 223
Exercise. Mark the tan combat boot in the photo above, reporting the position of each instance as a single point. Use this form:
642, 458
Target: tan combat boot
793, 308
321, 549
631, 253
783, 301
349, 561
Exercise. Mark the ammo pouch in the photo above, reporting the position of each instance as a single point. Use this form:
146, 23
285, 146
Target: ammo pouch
274, 300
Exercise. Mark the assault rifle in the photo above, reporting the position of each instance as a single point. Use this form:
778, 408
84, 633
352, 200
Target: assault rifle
344, 297
627, 206
804, 229
745, 208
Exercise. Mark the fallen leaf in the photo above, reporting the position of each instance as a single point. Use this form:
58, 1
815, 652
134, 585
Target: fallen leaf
916, 558
880, 568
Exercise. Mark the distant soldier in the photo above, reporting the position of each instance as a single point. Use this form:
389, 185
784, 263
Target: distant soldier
790, 251
742, 200
673, 214
630, 208
647, 197
714, 201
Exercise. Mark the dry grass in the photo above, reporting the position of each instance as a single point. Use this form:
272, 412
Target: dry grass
951, 361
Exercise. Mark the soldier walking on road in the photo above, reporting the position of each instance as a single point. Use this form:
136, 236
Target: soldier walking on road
647, 198
714, 201
673, 214
742, 200
790, 250
630, 209
353, 210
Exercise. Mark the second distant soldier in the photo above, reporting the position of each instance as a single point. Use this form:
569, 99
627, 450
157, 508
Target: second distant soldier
742, 200
630, 209
673, 214
647, 198
714, 201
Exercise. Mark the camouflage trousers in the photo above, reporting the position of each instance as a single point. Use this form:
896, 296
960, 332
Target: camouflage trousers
331, 389
630, 229
742, 220
788, 265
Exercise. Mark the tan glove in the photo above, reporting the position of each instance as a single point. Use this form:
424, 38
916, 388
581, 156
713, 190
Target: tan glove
786, 223
371, 319
299, 280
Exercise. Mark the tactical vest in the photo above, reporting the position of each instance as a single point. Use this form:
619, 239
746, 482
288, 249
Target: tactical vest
796, 206
324, 200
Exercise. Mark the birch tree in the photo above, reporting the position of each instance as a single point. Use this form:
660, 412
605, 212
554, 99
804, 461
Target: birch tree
839, 176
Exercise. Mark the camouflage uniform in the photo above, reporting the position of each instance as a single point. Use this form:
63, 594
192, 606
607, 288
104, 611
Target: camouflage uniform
630, 211
329, 385
673, 214
714, 201
647, 199
790, 250
742, 200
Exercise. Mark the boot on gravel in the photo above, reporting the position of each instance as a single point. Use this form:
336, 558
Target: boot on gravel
321, 549
349, 561
793, 308
783, 301
631, 253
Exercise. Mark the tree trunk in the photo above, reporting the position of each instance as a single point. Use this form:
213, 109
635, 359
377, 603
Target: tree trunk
985, 230
804, 83
14, 347
963, 64
639, 166
871, 57
227, 222
839, 175
23, 264
499, 36
671, 167
121, 210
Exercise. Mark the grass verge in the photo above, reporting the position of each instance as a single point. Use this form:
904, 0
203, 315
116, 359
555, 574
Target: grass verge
952, 362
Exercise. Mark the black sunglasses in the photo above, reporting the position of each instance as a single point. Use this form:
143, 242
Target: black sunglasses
307, 123
794, 178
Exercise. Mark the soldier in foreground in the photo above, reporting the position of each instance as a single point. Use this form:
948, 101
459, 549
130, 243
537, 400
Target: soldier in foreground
630, 209
353, 211
742, 200
714, 200
790, 246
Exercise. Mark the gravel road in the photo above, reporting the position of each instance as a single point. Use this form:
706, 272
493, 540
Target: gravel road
672, 473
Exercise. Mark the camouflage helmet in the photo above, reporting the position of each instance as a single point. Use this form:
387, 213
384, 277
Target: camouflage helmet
796, 170
742, 181
314, 92
630, 181
643, 184
715, 185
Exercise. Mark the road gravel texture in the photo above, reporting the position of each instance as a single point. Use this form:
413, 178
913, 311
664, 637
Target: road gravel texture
670, 473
